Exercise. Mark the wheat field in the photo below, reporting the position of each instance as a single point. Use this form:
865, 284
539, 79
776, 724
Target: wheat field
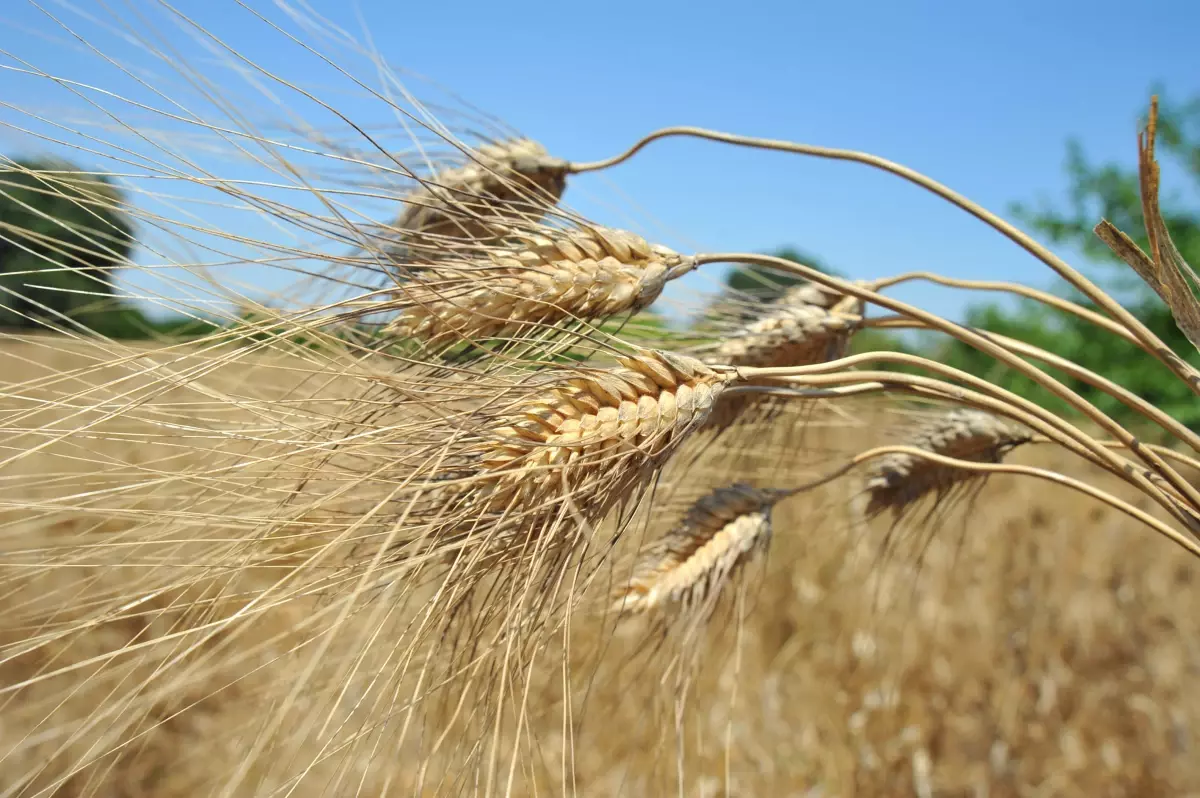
438, 502
1031, 642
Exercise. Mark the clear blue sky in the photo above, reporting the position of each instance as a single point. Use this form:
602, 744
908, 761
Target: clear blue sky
981, 96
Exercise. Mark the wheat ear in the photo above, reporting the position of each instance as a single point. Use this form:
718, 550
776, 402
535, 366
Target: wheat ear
510, 180
598, 420
561, 448
803, 327
718, 535
896, 481
793, 332
548, 279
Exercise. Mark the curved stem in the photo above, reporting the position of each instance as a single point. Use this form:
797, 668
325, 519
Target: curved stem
964, 334
1152, 342
1126, 397
1162, 451
988, 396
1173, 535
999, 401
1058, 303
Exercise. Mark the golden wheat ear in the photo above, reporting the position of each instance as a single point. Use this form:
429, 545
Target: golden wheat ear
509, 181
688, 566
547, 279
805, 326
529, 472
897, 481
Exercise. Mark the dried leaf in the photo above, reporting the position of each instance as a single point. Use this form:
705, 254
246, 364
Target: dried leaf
1164, 269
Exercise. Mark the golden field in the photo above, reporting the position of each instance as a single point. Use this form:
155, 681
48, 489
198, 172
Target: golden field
1030, 642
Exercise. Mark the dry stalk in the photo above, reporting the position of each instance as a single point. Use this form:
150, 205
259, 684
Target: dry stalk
688, 566
1164, 269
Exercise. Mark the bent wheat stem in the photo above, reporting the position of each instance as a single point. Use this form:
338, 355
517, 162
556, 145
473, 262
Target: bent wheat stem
1045, 298
1189, 545
1005, 403
972, 338
1089, 289
1123, 395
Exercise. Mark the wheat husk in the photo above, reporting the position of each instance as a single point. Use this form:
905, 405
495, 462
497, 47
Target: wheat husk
547, 279
895, 481
687, 566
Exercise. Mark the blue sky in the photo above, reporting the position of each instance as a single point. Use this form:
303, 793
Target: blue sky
979, 96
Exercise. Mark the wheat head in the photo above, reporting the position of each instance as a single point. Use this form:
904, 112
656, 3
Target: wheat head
719, 534
895, 481
806, 325
506, 180
577, 441
637, 411
548, 278
793, 332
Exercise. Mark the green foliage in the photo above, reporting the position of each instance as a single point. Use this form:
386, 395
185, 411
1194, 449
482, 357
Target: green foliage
1106, 191
62, 234
1080, 342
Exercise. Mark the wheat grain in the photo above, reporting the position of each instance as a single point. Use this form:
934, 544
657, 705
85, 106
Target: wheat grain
895, 481
549, 278
719, 534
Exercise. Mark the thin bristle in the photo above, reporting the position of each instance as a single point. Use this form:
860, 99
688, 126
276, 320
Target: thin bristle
896, 481
549, 279
719, 534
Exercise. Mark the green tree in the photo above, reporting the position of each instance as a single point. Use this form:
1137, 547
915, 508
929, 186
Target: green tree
62, 234
1105, 191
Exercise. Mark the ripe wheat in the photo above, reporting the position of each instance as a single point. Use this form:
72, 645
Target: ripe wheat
895, 481
507, 181
544, 279
791, 333
504, 468
719, 534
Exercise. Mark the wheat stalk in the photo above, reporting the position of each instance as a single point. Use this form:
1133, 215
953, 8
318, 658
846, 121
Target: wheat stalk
896, 481
719, 534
